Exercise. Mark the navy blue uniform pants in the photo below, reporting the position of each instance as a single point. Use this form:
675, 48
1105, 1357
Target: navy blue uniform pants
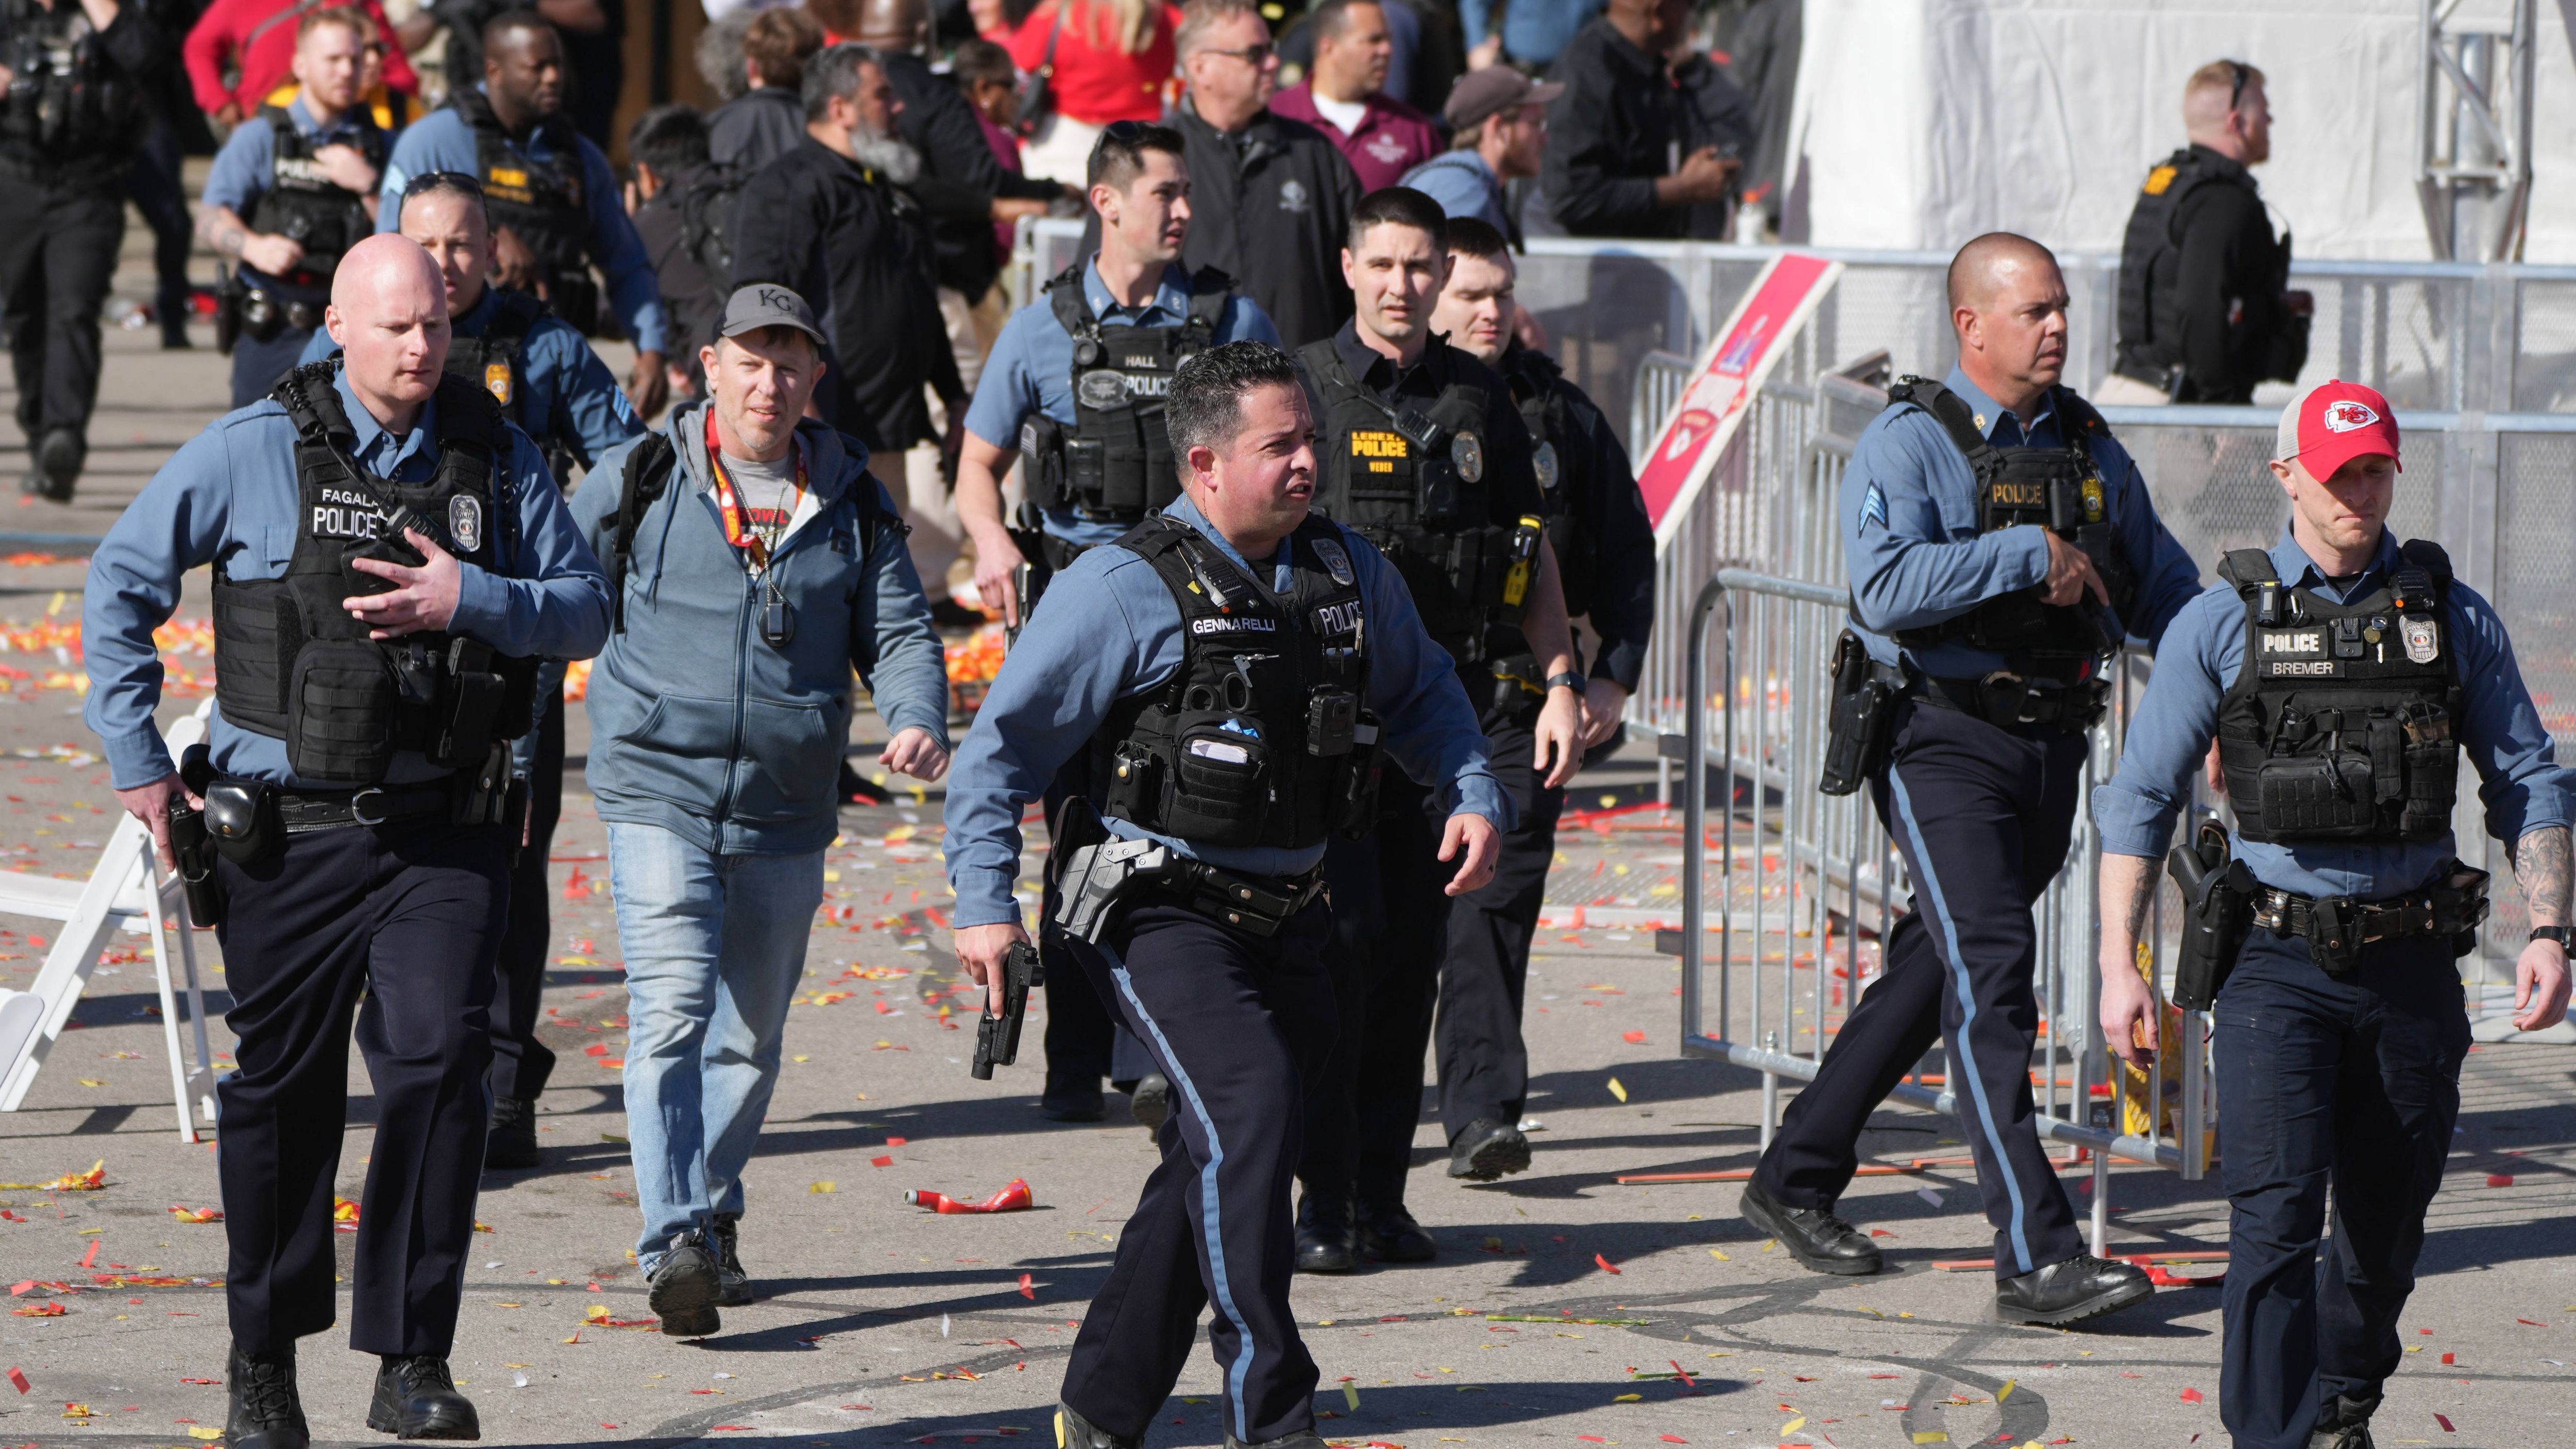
1484, 963
397, 925
2348, 1082
520, 1062
1240, 1024
1982, 816
57, 254
154, 186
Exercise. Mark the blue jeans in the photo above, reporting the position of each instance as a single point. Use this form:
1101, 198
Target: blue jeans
2351, 1082
714, 947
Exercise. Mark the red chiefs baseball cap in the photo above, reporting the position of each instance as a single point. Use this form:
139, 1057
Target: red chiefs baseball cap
2335, 422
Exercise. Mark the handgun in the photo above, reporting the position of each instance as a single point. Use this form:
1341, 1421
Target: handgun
997, 1036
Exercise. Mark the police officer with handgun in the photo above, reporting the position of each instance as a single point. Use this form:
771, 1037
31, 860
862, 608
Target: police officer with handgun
1233, 668
1074, 389
391, 561
1422, 451
2342, 674
2001, 546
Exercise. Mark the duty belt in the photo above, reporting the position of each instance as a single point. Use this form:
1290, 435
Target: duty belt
301, 811
2008, 699
2337, 927
1100, 878
259, 307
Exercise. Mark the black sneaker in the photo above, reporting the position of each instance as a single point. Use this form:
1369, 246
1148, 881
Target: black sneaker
512, 1142
686, 1287
733, 1283
1072, 1431
1813, 1236
1390, 1235
266, 1412
1073, 1099
1488, 1150
1327, 1240
2344, 1423
1151, 1102
59, 458
2081, 1287
416, 1398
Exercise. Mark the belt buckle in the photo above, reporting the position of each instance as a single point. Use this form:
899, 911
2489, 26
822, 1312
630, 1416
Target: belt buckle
361, 816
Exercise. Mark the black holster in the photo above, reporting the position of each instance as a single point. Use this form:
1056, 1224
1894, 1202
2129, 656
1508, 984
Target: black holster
194, 851
1866, 694
2218, 906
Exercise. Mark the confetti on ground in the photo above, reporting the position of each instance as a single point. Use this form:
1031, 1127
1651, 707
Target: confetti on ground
18, 1378
1606, 1265
91, 1257
2191, 1396
1618, 1091
2445, 1421
90, 1181
195, 1215
2499, 1179
41, 1310
1634, 1037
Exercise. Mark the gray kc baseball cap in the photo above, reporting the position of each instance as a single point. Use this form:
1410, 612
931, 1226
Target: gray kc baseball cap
766, 305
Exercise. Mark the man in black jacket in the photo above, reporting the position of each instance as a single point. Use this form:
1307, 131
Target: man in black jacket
766, 119
828, 219
1269, 197
1623, 155
2204, 314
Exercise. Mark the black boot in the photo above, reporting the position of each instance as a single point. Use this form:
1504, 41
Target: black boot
266, 1411
1302, 1439
512, 1141
1151, 1102
686, 1286
416, 1398
2061, 1293
1327, 1241
1073, 1431
2344, 1423
1072, 1099
1390, 1235
1488, 1150
732, 1283
1813, 1236
59, 458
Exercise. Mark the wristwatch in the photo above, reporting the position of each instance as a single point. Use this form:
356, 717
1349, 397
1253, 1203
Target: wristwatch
1567, 680
2559, 934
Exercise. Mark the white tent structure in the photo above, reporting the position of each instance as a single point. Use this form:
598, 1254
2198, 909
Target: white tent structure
1922, 123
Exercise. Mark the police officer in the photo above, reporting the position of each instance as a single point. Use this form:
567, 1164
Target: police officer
1598, 529
2203, 313
391, 560
73, 113
293, 188
2001, 545
2341, 673
556, 206
1233, 667
1423, 451
549, 383
1076, 384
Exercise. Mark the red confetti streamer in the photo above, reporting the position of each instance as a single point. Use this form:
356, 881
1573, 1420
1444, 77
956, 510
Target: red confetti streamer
2534, 1323
92, 1255
2499, 1179
18, 1378
1028, 1287
897, 1141
2445, 1421
2191, 1396
1606, 1265
2447, 1358
880, 1162
1672, 1438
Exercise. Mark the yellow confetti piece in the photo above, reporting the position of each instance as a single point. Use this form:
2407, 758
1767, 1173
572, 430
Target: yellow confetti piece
201, 1431
1931, 1436
1350, 1396
1059, 1429
1794, 1425
2006, 1391
1618, 1091
1769, 1243
1721, 1257
92, 1082
800, 1059
821, 1187
1632, 1398
831, 875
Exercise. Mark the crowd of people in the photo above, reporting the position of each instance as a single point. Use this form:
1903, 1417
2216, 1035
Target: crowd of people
1323, 580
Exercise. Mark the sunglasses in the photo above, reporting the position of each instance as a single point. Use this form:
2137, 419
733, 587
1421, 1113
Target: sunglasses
2244, 75
1255, 56
442, 181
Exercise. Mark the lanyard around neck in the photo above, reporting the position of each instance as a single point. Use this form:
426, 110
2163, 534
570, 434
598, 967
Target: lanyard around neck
757, 545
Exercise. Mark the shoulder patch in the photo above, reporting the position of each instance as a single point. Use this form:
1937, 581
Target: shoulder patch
2159, 179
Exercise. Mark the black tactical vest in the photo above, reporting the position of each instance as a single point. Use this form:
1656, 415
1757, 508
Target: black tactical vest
71, 114
2058, 489
306, 206
1412, 482
1261, 737
540, 201
1556, 456
1115, 464
2342, 723
2150, 293
292, 664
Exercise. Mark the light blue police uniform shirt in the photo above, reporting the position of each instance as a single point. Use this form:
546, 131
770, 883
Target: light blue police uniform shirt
241, 171
2519, 778
1910, 540
229, 497
568, 391
443, 140
1108, 629
1031, 368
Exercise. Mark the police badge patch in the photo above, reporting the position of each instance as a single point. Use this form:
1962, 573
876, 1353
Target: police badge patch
1336, 562
496, 381
2423, 639
1543, 463
465, 522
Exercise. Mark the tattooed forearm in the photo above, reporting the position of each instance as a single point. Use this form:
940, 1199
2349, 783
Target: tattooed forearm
2128, 893
2542, 868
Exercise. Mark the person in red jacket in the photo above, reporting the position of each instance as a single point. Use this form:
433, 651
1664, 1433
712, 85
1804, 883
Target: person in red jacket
1344, 97
256, 40
1104, 60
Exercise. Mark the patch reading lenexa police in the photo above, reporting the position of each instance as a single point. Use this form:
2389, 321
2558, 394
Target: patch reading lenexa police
1382, 449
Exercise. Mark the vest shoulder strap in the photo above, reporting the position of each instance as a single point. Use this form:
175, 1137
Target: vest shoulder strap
1072, 310
1210, 290
514, 315
1948, 409
1325, 361
640, 484
2427, 555
2248, 568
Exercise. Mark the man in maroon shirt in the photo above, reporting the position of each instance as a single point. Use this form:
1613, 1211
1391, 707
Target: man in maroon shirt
1381, 137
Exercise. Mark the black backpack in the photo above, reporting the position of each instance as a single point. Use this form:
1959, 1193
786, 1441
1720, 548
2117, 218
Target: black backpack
706, 205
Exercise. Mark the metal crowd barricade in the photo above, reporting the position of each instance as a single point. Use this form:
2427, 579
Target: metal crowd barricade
1803, 891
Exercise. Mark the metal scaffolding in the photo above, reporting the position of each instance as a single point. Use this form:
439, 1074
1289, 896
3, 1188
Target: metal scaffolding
2473, 135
